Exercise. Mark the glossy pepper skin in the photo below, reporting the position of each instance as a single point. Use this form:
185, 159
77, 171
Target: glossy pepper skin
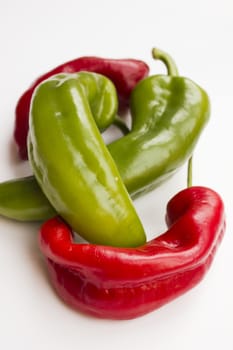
72, 164
168, 116
124, 73
124, 283
23, 200
169, 113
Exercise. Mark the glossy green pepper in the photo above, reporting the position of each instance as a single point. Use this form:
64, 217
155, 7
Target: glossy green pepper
72, 163
23, 200
168, 115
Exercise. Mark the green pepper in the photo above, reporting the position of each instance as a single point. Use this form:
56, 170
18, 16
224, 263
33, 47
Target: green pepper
23, 200
71, 162
168, 115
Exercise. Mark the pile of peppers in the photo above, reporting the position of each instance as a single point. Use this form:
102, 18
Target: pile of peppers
81, 185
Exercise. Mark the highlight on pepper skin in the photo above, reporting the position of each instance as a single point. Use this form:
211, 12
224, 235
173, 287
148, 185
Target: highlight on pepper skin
124, 73
82, 181
114, 275
124, 283
169, 113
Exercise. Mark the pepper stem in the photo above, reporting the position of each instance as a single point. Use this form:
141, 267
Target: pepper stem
190, 172
170, 64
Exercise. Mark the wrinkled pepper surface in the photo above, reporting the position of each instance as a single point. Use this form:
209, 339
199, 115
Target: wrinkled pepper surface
72, 164
124, 73
124, 283
118, 275
169, 113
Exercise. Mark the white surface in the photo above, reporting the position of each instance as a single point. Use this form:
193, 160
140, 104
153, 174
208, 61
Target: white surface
36, 36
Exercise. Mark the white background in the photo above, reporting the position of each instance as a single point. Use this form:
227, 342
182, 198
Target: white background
35, 37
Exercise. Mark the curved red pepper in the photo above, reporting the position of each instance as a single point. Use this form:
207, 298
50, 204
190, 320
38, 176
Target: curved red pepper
124, 73
123, 283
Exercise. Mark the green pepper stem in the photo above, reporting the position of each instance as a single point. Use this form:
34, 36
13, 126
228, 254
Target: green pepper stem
118, 122
166, 59
190, 172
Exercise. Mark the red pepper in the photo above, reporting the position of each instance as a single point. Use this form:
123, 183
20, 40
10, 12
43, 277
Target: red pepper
124, 73
123, 283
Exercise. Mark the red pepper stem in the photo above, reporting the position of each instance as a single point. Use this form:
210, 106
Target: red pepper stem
190, 172
170, 64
